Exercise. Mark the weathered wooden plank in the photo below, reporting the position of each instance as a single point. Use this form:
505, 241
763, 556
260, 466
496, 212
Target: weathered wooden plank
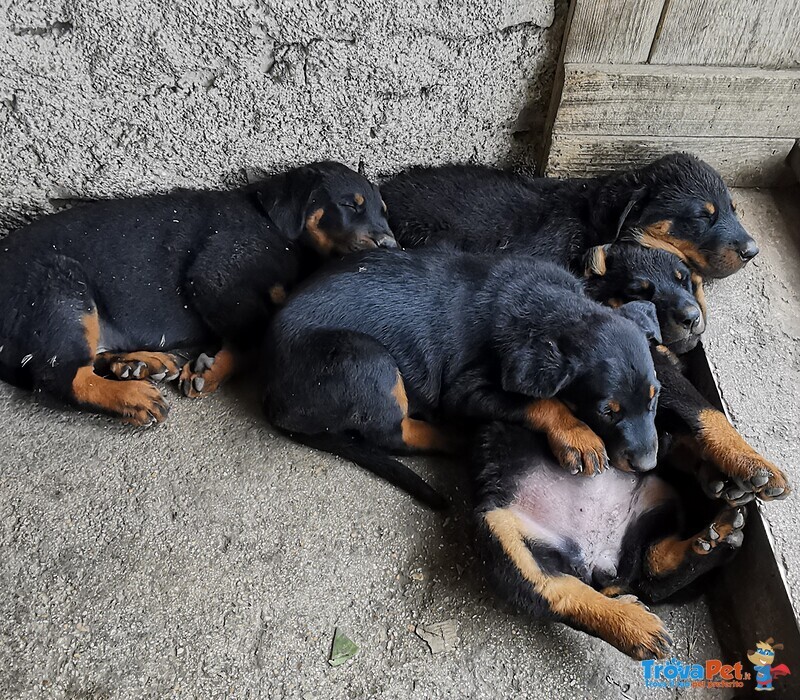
612, 31
679, 100
750, 162
762, 33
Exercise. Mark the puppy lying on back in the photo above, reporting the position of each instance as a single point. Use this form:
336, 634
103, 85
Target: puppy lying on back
117, 285
376, 351
677, 203
577, 550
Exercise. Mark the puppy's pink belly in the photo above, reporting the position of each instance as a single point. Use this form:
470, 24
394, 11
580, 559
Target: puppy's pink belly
593, 512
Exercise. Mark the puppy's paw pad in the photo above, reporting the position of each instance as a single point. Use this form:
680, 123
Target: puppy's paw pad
144, 365
724, 532
197, 379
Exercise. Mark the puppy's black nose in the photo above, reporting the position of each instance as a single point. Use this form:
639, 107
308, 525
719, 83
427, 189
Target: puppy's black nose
748, 251
688, 317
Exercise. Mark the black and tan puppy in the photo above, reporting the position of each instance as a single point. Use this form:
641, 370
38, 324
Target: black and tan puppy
578, 551
630, 272
677, 203
119, 284
374, 352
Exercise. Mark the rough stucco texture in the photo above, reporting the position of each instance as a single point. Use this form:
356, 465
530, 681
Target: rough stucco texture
113, 97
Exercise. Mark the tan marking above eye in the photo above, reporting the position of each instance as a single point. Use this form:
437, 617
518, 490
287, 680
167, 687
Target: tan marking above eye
652, 391
710, 208
678, 275
614, 406
359, 199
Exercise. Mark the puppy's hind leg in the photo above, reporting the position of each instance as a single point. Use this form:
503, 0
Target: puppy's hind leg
621, 621
342, 392
672, 563
54, 335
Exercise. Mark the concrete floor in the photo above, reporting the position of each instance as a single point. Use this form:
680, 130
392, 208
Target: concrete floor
753, 345
210, 558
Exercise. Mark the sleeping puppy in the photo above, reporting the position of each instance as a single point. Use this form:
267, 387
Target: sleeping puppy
374, 352
630, 272
115, 286
677, 203
577, 550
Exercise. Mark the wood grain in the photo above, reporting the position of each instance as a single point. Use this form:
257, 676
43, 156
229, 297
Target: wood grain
679, 101
612, 31
762, 33
751, 162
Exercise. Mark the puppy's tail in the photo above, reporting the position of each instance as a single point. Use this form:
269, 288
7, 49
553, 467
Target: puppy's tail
373, 459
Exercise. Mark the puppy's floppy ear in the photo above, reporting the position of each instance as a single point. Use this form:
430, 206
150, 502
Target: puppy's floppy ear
290, 198
538, 369
637, 197
643, 314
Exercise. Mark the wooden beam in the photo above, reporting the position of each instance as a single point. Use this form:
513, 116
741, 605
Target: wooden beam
751, 162
612, 31
730, 32
679, 101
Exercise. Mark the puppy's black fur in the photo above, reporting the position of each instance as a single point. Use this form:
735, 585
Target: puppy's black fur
122, 282
373, 349
630, 272
678, 203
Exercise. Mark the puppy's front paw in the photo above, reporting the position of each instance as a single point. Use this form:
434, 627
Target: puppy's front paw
579, 449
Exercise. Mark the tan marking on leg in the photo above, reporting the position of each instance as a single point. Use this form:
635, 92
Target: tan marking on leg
277, 294
91, 331
213, 377
667, 555
399, 393
622, 622
575, 444
320, 239
136, 402
613, 591
731, 454
614, 303
420, 435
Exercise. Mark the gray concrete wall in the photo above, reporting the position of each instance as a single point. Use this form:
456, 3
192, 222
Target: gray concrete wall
111, 97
